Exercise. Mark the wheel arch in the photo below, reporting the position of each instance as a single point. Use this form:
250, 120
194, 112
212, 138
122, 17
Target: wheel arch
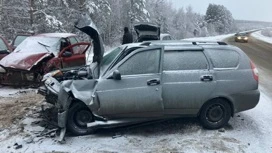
228, 100
74, 101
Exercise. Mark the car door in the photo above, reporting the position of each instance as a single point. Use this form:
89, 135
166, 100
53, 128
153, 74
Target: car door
139, 92
77, 57
188, 81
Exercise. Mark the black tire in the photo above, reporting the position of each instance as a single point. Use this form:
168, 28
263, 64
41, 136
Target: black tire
78, 117
215, 114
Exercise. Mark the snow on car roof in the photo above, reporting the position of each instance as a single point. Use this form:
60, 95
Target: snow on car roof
57, 35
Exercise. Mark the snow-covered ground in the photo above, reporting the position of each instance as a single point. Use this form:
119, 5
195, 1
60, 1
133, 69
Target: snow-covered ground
248, 131
10, 91
258, 35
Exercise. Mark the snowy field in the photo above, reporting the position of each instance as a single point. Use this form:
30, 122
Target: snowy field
258, 35
248, 131
10, 92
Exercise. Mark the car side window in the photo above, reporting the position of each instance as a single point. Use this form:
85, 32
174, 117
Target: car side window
146, 62
224, 58
3, 46
184, 60
73, 40
76, 49
63, 44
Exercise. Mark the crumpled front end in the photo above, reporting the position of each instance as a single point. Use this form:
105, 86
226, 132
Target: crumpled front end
17, 77
23, 71
75, 91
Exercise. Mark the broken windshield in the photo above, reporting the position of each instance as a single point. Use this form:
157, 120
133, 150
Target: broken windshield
39, 45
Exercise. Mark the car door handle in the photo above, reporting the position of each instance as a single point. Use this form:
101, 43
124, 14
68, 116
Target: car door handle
206, 78
153, 82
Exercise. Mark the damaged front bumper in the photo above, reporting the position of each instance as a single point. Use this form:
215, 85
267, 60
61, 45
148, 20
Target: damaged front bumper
63, 103
50, 90
42, 90
62, 118
15, 77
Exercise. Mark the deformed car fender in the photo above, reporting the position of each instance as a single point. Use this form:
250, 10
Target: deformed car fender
75, 90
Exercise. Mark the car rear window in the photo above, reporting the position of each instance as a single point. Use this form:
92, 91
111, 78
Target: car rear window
184, 60
224, 58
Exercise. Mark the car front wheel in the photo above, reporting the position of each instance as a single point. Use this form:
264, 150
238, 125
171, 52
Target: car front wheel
79, 116
215, 114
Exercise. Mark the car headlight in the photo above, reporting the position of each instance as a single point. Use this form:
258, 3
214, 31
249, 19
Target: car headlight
239, 37
246, 38
51, 74
30, 76
2, 69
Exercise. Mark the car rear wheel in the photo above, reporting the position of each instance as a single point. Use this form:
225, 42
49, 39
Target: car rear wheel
215, 114
79, 116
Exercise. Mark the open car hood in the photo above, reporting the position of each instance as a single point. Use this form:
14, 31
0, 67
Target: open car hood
147, 31
86, 25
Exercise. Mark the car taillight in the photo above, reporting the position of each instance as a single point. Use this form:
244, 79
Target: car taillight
255, 71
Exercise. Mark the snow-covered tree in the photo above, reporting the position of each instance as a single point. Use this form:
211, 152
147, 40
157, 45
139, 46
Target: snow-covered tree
220, 17
14, 17
111, 16
138, 12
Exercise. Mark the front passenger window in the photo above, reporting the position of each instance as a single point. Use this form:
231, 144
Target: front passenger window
146, 62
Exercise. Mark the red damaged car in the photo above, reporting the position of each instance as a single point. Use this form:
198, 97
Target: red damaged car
39, 54
5, 49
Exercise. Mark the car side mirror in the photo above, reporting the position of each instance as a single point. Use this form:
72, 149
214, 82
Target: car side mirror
67, 54
5, 52
116, 75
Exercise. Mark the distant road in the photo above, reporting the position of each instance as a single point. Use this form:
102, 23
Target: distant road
261, 54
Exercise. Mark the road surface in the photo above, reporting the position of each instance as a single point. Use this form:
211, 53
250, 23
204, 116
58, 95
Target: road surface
261, 54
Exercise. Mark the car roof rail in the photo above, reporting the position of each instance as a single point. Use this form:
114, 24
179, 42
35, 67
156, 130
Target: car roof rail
147, 43
221, 43
209, 43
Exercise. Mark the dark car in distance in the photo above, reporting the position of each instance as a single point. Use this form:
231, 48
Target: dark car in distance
241, 37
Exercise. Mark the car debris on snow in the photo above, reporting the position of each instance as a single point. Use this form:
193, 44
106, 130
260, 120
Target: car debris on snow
17, 146
222, 130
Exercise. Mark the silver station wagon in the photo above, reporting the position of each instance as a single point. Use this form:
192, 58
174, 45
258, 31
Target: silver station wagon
159, 80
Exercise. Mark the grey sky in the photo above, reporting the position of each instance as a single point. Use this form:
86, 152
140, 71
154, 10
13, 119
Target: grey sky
257, 10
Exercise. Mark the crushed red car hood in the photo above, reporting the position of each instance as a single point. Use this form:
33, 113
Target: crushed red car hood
23, 60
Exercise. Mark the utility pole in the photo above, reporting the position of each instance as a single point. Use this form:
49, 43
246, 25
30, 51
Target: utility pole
81, 5
31, 12
1, 8
131, 15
